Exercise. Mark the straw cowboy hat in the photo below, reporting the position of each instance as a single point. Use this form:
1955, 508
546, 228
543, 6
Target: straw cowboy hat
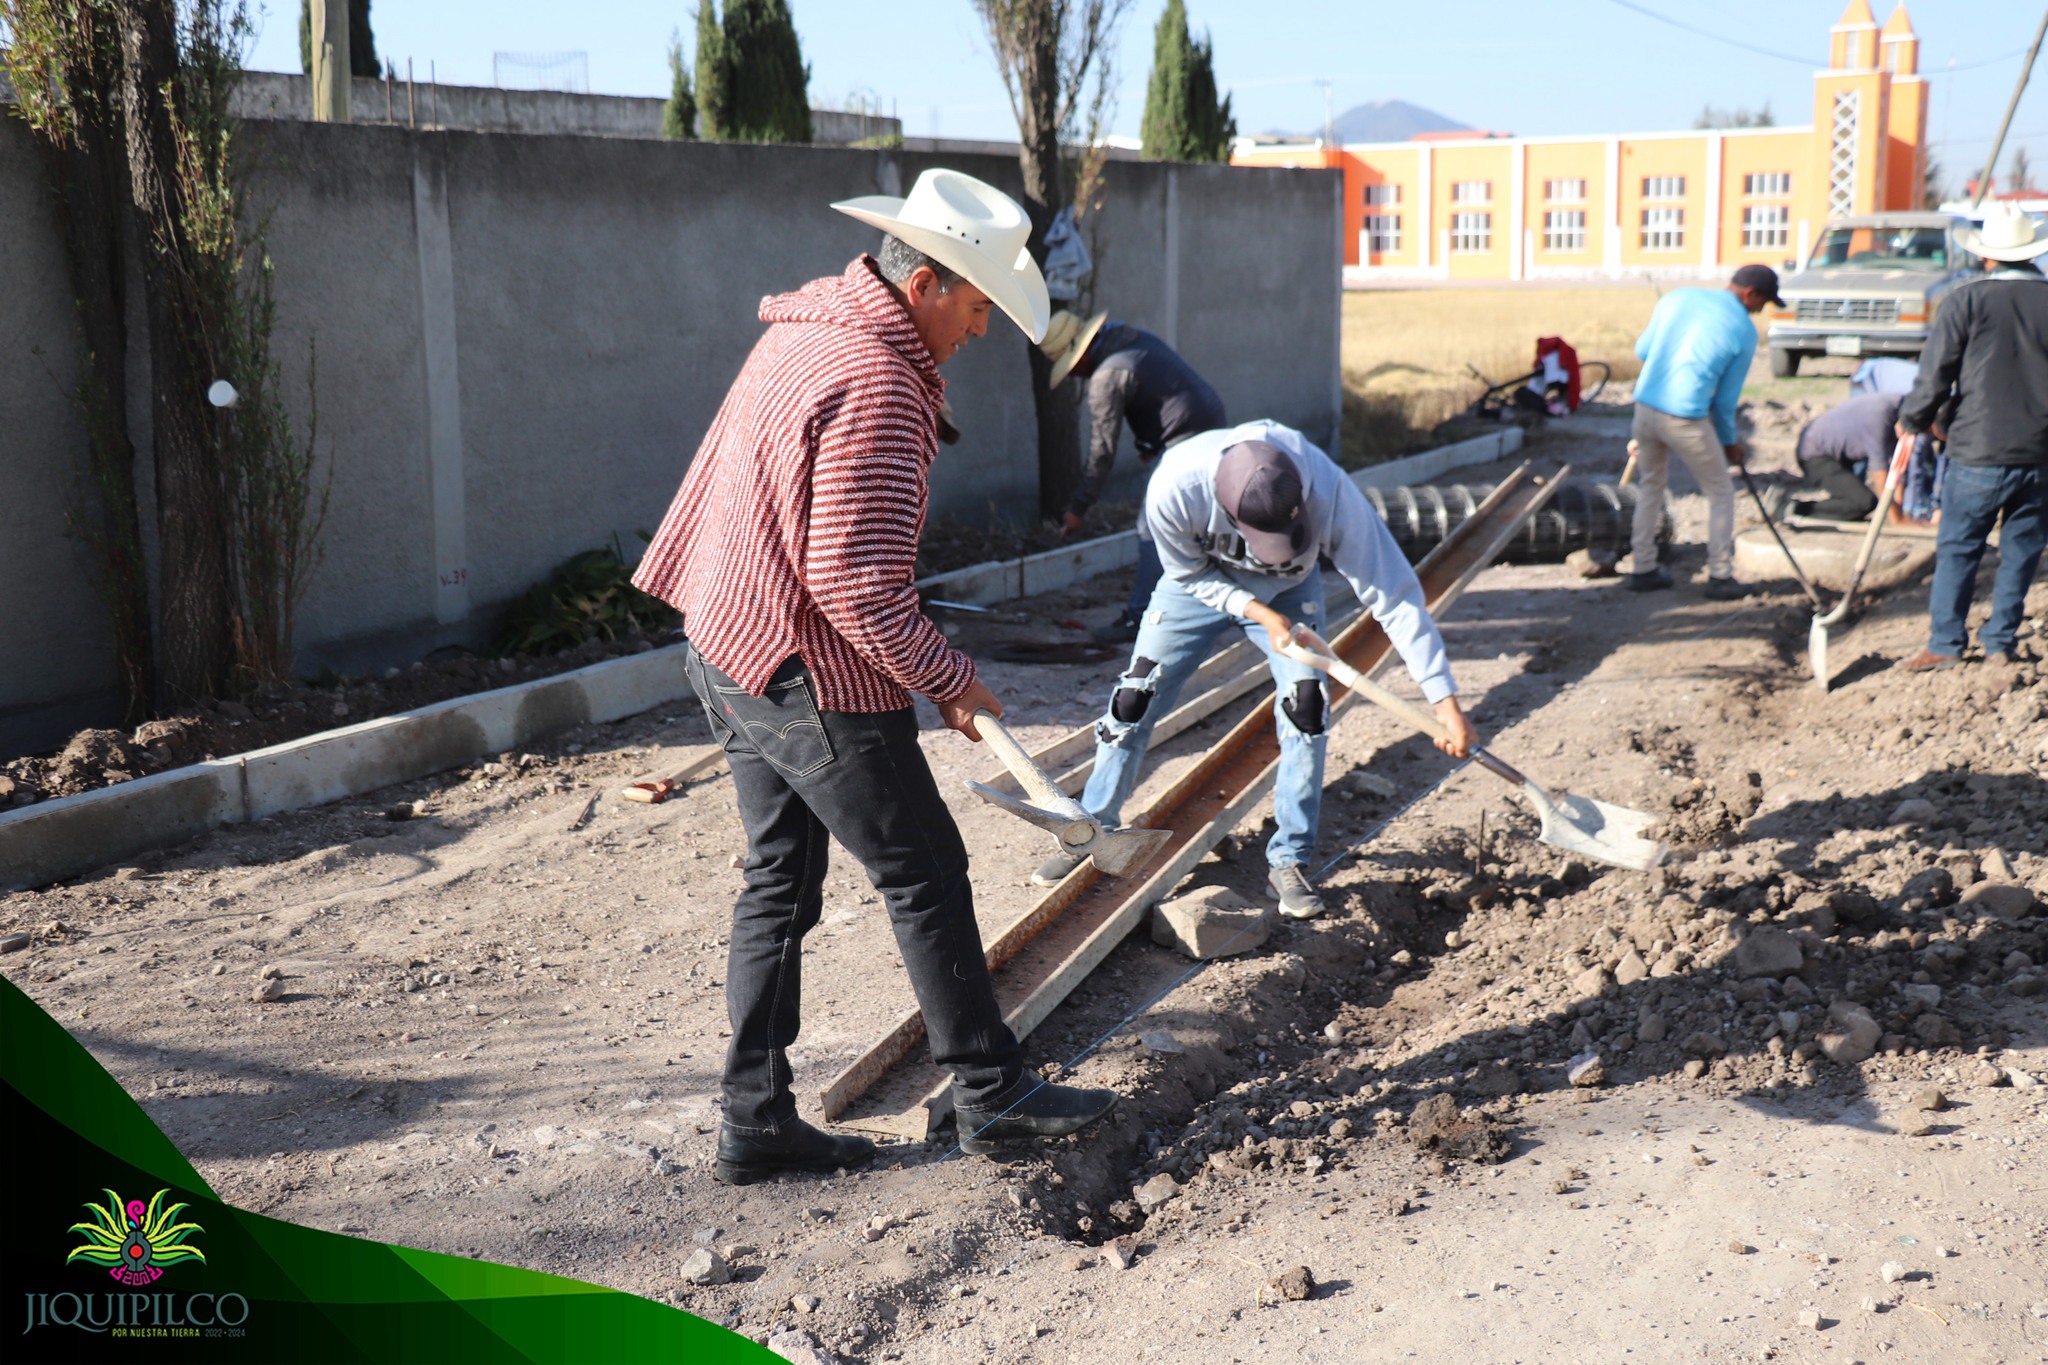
968, 227
1066, 341
2008, 234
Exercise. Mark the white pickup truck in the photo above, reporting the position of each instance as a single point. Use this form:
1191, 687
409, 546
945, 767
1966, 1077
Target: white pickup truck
1870, 287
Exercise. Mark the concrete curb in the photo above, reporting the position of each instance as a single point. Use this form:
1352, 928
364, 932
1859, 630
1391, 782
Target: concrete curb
979, 585
1430, 464
73, 835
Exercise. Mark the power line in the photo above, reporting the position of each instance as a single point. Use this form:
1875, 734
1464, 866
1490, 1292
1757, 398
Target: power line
1806, 62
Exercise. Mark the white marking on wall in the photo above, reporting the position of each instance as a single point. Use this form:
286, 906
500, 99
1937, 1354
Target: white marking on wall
1518, 169
1610, 237
1423, 157
444, 389
1842, 153
1710, 230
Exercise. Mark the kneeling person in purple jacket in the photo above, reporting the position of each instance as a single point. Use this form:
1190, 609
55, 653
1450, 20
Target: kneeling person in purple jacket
1242, 518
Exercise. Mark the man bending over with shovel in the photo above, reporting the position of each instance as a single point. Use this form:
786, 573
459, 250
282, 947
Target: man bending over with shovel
1241, 518
789, 551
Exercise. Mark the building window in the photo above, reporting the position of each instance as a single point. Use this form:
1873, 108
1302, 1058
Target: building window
1472, 192
1471, 232
1663, 187
1380, 196
1565, 191
1564, 230
1663, 229
1382, 233
1769, 185
1765, 226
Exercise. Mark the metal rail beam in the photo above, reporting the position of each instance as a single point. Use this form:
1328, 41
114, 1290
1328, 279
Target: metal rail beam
1039, 959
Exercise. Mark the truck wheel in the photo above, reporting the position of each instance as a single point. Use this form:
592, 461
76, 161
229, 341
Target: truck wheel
1784, 363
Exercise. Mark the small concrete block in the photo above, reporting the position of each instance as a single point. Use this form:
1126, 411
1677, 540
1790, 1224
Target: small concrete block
1215, 922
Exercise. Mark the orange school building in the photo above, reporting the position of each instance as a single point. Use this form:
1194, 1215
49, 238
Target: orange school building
1695, 204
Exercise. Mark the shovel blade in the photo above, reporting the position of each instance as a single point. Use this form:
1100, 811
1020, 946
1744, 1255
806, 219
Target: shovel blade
1817, 650
1120, 852
1595, 829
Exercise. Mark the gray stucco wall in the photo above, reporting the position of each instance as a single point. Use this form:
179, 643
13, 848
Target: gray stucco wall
522, 339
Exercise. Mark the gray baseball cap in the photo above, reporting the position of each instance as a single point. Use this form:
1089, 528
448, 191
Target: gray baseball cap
1259, 488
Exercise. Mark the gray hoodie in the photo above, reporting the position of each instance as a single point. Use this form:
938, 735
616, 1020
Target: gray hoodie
1204, 553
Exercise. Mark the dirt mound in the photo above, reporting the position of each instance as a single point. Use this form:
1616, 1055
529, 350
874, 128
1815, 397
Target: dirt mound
1435, 1125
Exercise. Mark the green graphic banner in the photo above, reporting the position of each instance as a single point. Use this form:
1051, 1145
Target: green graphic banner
115, 1249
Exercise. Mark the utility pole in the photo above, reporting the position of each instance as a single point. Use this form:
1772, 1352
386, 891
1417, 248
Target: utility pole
1329, 123
330, 61
1998, 143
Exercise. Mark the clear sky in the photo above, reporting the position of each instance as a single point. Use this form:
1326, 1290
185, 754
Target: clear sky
1554, 66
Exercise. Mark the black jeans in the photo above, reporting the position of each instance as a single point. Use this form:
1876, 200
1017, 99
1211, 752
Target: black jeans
802, 775
1833, 492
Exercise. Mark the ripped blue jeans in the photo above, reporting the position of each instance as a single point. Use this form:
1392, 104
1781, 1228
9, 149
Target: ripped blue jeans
1175, 634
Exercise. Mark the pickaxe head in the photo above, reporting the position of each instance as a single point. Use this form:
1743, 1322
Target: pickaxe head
1115, 852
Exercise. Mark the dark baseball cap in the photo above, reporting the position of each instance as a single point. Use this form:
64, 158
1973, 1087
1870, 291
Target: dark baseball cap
1761, 278
1259, 489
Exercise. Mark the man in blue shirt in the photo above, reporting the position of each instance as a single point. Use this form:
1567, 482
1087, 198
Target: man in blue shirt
1695, 353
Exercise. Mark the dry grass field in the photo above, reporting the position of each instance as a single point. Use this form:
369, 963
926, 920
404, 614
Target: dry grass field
1406, 350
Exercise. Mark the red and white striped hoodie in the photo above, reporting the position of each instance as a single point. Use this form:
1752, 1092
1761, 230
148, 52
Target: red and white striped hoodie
796, 528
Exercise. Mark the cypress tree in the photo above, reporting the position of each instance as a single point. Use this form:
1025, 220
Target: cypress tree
714, 76
1183, 120
679, 115
362, 46
769, 94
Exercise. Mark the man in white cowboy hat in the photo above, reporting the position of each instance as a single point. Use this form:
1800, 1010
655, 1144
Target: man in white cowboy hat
1133, 377
1990, 346
789, 551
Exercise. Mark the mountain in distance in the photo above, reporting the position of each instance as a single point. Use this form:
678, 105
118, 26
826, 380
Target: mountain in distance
1389, 121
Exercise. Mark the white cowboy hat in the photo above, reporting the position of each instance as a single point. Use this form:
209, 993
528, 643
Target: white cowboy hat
1066, 341
2008, 234
971, 228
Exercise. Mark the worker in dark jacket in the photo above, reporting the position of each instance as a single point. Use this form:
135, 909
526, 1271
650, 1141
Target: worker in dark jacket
1990, 342
1837, 452
1135, 378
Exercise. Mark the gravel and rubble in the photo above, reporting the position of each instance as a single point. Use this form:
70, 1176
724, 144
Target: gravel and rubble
499, 1019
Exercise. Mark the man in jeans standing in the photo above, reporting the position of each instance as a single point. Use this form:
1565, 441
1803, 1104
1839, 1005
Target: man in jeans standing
1695, 353
1990, 344
789, 550
1244, 518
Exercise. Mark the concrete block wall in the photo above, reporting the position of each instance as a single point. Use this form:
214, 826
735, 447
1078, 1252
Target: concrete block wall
522, 339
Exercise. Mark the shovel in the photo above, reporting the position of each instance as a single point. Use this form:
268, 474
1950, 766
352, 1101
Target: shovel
1577, 824
1115, 852
1772, 526
1817, 633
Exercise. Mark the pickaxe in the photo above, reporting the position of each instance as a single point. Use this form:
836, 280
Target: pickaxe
1117, 852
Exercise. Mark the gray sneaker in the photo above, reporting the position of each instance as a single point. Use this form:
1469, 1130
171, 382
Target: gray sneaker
1057, 868
1297, 895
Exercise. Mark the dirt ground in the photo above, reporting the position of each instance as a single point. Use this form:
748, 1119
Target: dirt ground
502, 1022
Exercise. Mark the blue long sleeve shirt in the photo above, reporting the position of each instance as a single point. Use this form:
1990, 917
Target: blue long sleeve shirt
1203, 552
1696, 353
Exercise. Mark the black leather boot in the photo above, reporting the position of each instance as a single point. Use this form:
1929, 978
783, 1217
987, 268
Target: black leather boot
744, 1158
1031, 1108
